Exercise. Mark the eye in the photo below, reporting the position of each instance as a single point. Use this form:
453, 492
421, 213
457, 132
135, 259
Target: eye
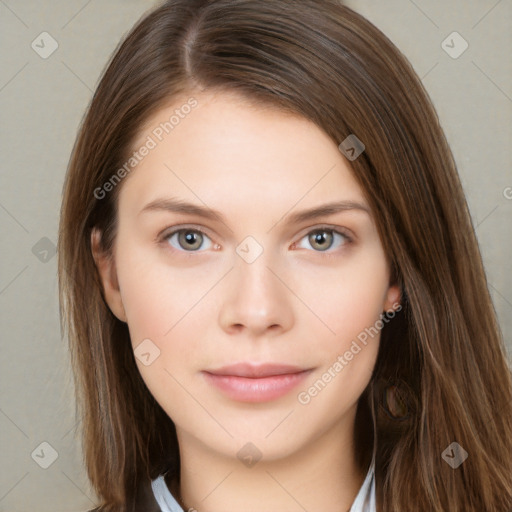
187, 239
192, 240
324, 238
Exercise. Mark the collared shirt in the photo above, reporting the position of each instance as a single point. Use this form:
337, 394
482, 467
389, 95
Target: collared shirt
364, 502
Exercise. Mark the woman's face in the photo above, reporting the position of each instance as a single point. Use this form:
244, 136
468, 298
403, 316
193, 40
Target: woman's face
260, 282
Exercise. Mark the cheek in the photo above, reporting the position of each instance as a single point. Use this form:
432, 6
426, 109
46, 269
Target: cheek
157, 297
159, 304
160, 300
346, 300
169, 307
346, 351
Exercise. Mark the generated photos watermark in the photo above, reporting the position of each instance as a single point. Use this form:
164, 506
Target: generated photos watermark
305, 397
151, 142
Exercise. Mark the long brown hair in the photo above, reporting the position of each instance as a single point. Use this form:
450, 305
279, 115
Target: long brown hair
443, 355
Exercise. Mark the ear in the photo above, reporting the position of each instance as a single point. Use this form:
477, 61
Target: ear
105, 264
393, 296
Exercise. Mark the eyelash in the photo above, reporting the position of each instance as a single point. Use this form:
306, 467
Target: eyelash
164, 239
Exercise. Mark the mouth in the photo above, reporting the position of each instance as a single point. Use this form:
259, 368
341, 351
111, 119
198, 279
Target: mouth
246, 382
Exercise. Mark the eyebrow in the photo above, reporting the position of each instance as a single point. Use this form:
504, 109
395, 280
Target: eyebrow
179, 206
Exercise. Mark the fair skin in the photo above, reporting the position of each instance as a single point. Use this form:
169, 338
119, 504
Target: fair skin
295, 303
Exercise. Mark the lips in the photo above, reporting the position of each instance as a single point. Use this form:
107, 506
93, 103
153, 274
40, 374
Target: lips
247, 382
250, 370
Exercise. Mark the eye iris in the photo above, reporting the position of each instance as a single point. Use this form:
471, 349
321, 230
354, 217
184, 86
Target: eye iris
189, 237
319, 238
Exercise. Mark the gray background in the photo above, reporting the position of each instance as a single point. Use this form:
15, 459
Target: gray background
42, 102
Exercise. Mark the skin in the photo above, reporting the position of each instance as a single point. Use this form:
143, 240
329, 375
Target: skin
207, 308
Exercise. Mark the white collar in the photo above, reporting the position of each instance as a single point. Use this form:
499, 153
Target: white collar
365, 500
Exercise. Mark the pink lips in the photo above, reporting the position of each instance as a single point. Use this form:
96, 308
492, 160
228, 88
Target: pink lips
246, 382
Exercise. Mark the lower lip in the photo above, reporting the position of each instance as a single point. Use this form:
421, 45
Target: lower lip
264, 389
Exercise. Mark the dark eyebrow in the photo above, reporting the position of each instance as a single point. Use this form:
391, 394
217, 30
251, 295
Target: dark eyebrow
327, 209
180, 206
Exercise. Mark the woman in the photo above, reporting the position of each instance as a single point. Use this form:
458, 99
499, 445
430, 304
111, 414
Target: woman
289, 309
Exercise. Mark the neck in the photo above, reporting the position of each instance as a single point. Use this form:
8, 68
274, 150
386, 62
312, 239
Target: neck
320, 476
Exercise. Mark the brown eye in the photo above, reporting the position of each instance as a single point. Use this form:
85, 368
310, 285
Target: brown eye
321, 240
190, 240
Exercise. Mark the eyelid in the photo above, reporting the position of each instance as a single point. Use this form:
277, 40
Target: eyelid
170, 230
329, 227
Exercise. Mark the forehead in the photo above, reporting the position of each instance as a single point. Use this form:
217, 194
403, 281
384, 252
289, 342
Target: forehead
225, 150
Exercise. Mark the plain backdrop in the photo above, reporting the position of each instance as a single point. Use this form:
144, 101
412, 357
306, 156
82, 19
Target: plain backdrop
42, 101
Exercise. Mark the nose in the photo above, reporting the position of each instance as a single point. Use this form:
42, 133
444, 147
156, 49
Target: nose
255, 301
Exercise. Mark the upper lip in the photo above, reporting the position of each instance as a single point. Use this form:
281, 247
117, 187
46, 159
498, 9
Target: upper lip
256, 370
